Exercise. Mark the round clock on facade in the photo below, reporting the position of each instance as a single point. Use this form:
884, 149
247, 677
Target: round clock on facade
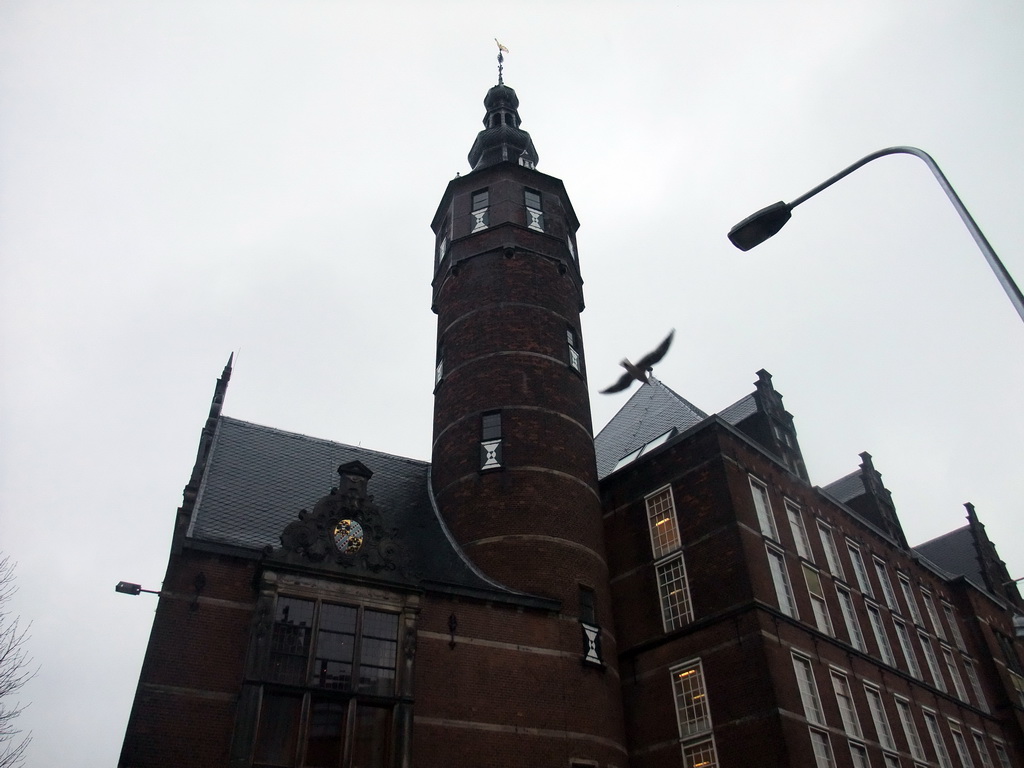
348, 536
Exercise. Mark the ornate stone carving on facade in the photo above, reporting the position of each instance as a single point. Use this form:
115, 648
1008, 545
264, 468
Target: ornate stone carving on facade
345, 531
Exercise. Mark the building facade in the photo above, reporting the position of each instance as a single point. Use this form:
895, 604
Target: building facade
671, 592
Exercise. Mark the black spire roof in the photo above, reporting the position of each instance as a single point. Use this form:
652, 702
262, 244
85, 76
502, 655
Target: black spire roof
502, 139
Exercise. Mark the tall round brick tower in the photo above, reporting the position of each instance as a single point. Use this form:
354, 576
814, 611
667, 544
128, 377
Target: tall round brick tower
513, 468
513, 464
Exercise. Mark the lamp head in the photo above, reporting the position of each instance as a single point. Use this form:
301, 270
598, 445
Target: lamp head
127, 588
758, 227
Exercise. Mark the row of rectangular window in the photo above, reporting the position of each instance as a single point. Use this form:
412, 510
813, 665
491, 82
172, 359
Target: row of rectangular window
480, 219
766, 521
822, 620
814, 713
480, 204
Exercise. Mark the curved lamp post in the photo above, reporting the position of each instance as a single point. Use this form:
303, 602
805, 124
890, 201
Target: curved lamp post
757, 228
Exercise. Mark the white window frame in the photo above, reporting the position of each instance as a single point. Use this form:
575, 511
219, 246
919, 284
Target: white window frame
832, 552
960, 743
876, 705
693, 715
859, 755
803, 669
847, 706
1001, 754
972, 678
954, 672
853, 628
822, 748
954, 626
663, 540
763, 508
818, 605
887, 590
673, 592
933, 614
828, 543
860, 569
780, 577
906, 716
690, 694
933, 661
982, 749
881, 638
903, 636
1018, 684
908, 593
796, 525
698, 753
931, 723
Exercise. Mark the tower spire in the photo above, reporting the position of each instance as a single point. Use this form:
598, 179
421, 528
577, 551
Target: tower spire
502, 138
501, 60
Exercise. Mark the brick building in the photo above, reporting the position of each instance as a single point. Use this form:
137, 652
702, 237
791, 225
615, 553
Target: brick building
671, 592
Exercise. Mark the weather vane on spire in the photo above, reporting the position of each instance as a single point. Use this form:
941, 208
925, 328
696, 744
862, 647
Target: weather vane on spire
501, 60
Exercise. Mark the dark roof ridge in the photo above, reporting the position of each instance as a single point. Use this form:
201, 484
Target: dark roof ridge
941, 536
653, 381
323, 440
679, 397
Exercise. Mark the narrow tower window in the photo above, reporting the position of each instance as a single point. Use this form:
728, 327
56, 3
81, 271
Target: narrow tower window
534, 213
490, 441
439, 366
481, 200
591, 631
574, 355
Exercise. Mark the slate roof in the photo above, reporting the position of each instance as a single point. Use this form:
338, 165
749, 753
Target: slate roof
741, 409
651, 411
955, 553
257, 479
846, 488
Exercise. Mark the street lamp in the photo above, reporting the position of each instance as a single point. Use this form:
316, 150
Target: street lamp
127, 588
757, 228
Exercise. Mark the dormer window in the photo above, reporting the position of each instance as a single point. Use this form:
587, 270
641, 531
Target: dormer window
481, 200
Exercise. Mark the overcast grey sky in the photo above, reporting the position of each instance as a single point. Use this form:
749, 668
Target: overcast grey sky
182, 180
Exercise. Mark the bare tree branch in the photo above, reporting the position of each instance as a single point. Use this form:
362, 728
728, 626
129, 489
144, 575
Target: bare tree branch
15, 670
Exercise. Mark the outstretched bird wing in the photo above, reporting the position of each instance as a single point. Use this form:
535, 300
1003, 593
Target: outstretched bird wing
648, 360
638, 372
621, 384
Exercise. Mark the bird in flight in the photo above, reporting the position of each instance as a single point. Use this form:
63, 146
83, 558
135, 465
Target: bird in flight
643, 366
